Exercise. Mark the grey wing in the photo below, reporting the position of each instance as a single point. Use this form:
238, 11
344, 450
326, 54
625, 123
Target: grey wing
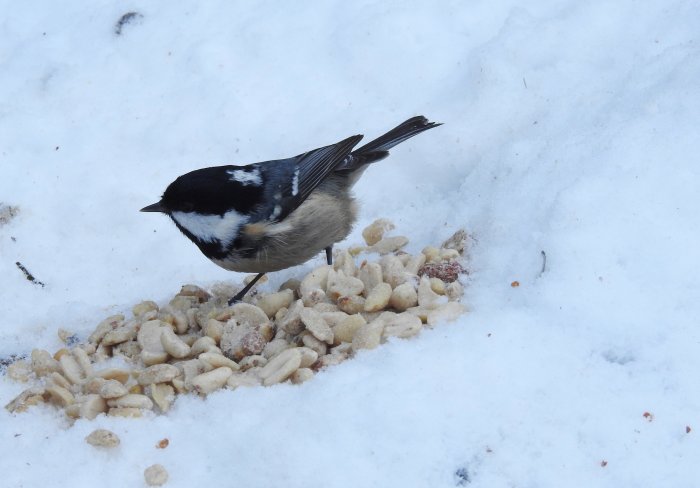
289, 182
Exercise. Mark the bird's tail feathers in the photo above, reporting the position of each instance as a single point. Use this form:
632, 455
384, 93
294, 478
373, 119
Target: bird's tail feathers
397, 135
378, 149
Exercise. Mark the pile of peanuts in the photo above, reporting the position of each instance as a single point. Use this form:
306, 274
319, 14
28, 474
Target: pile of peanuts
198, 343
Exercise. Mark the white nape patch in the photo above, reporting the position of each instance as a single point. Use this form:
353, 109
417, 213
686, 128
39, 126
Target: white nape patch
211, 228
295, 183
246, 176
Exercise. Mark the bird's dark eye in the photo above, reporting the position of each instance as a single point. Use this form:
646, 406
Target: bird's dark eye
187, 206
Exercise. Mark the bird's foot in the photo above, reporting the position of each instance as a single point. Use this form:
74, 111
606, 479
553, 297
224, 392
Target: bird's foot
239, 296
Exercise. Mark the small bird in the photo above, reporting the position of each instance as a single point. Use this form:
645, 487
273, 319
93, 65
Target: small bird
272, 215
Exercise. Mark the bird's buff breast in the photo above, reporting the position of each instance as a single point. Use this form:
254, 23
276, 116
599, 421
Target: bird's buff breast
321, 221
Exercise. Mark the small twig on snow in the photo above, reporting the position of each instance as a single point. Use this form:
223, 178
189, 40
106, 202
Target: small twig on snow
28, 275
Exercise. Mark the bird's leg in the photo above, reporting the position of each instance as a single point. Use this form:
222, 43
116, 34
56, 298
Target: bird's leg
239, 296
329, 254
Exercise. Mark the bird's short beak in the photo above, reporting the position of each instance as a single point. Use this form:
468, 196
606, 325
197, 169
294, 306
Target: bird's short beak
156, 207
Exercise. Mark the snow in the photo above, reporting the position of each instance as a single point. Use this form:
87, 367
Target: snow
570, 128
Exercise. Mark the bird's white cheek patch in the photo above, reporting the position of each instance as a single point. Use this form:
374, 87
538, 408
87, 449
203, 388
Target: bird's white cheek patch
211, 228
246, 176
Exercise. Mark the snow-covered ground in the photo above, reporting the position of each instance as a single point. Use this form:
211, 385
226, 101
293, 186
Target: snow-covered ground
570, 127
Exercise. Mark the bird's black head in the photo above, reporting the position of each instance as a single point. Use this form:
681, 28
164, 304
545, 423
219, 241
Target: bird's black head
212, 191
210, 205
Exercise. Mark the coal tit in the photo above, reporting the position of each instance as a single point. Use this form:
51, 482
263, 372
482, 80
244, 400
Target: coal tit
271, 215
